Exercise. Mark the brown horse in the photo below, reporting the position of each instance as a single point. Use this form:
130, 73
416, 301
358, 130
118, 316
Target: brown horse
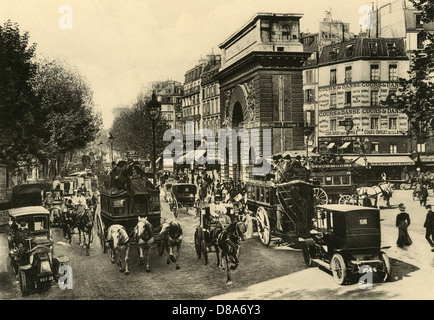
171, 234
143, 236
119, 243
226, 242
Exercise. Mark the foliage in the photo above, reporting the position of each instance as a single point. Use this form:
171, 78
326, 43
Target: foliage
132, 130
66, 115
415, 97
17, 99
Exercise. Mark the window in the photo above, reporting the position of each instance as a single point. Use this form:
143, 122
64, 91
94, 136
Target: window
419, 22
375, 147
348, 74
280, 48
348, 98
308, 96
419, 41
421, 147
332, 124
374, 123
333, 100
349, 50
333, 76
391, 48
393, 72
373, 48
393, 148
309, 76
393, 123
375, 72
337, 180
374, 98
346, 180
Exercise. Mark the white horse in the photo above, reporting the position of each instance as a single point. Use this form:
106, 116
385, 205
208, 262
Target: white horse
119, 242
143, 235
375, 192
171, 234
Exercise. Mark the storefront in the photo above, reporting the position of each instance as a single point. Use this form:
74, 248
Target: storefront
394, 166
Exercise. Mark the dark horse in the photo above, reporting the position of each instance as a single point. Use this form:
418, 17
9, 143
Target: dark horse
84, 226
226, 242
171, 234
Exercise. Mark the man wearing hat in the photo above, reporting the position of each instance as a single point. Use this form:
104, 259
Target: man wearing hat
429, 226
402, 223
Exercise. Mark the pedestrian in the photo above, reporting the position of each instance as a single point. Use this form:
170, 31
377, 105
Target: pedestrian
402, 223
383, 176
429, 226
423, 194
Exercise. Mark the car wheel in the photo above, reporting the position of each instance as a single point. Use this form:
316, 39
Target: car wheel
339, 269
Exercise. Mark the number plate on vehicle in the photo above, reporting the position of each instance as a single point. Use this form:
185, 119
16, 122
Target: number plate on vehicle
363, 221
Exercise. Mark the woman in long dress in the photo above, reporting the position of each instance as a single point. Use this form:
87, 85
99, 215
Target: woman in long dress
402, 223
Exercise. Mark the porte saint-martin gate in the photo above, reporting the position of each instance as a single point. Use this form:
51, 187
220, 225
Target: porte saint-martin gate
261, 89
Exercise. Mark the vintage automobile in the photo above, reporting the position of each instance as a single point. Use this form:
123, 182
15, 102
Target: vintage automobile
31, 248
346, 238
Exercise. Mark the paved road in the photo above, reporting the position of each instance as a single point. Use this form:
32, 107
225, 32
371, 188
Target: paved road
264, 272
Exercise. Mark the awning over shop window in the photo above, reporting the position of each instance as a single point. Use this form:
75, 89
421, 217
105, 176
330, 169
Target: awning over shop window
384, 160
427, 159
345, 145
331, 145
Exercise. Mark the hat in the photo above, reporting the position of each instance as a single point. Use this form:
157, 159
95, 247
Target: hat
428, 206
401, 207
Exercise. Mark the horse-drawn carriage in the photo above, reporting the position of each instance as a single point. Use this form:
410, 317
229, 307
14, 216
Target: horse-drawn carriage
30, 240
129, 216
183, 197
347, 240
221, 229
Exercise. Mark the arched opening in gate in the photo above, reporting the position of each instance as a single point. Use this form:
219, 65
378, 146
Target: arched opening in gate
237, 123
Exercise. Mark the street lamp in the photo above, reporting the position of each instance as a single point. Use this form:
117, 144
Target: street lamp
110, 140
153, 109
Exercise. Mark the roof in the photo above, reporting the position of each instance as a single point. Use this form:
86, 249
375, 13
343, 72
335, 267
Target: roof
387, 160
345, 207
24, 211
363, 48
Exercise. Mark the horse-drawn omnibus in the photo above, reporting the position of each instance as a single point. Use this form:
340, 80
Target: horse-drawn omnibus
336, 179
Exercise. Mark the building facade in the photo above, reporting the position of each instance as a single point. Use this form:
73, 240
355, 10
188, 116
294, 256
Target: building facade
355, 78
211, 94
261, 86
169, 93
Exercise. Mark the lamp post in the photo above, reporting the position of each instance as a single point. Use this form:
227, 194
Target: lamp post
153, 109
110, 140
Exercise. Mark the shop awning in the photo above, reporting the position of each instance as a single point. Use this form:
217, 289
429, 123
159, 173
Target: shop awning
345, 145
159, 158
331, 145
427, 159
384, 160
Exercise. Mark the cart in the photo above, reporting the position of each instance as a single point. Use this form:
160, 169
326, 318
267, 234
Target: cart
347, 240
183, 196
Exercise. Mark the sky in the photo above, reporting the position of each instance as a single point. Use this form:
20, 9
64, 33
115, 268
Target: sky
120, 46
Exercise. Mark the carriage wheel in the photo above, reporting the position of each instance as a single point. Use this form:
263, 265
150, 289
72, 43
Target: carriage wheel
346, 199
385, 270
197, 244
249, 223
23, 283
161, 247
175, 208
339, 268
263, 223
320, 196
203, 246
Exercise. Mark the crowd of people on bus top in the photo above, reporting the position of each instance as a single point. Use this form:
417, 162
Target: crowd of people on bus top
124, 173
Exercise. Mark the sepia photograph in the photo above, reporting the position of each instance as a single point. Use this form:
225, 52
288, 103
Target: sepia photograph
216, 155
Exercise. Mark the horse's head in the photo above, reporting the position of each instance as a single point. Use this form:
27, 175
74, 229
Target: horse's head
171, 227
118, 235
143, 230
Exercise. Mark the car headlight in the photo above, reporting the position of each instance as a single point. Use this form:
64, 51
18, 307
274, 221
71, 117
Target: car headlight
45, 267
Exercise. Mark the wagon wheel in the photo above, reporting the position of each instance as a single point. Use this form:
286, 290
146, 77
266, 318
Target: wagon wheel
339, 268
249, 223
385, 270
204, 247
161, 247
346, 199
320, 196
23, 283
263, 223
175, 208
197, 243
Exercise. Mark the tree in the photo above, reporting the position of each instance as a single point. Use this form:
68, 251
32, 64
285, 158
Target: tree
132, 130
17, 99
66, 115
415, 97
